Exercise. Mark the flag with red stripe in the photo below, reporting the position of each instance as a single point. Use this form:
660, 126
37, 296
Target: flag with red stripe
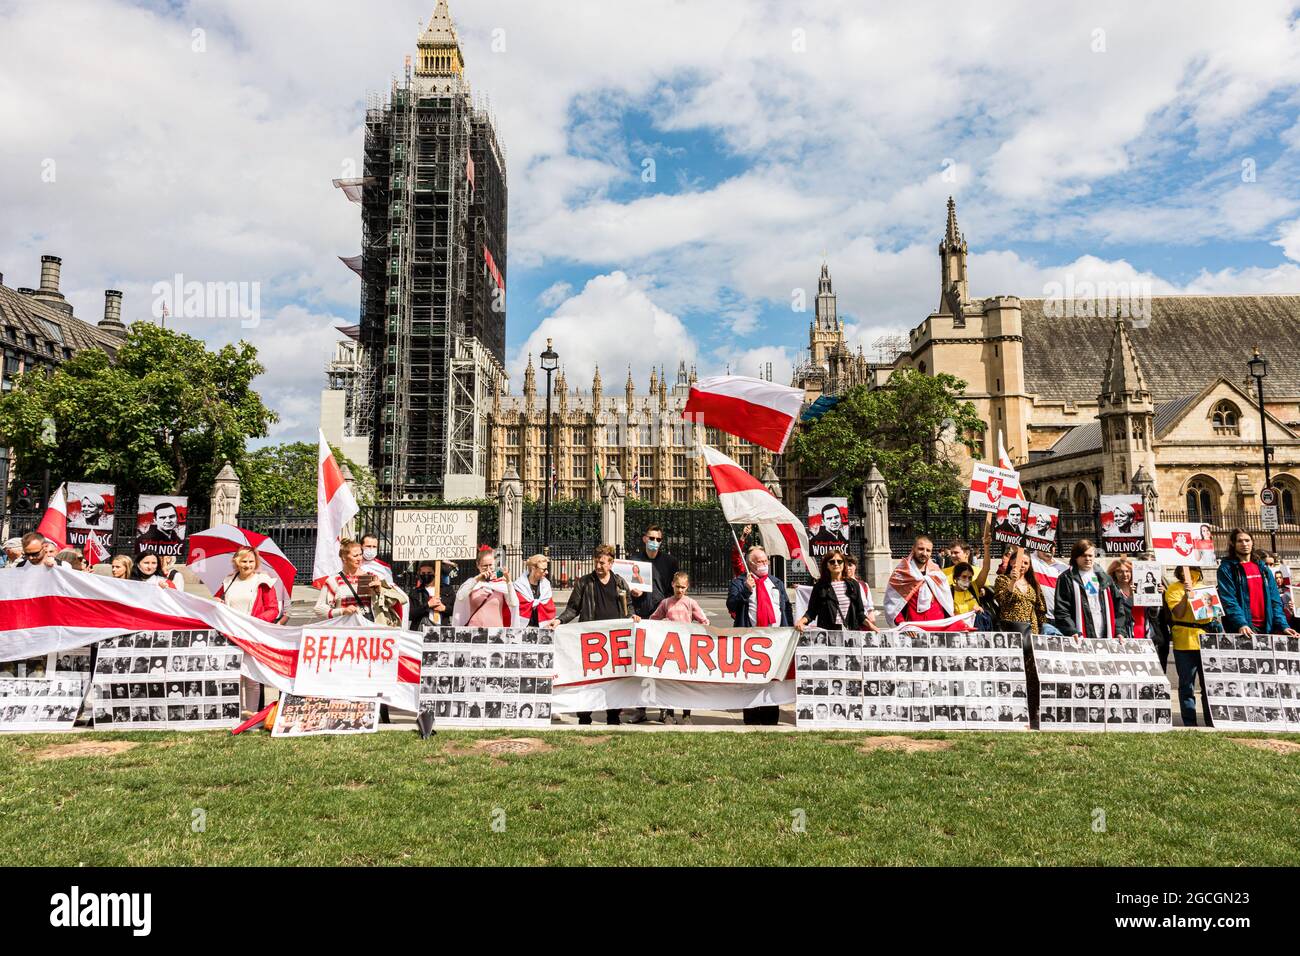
335, 507
745, 500
54, 523
1004, 462
760, 412
45, 610
94, 552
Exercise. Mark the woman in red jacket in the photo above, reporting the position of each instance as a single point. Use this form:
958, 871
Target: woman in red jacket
250, 591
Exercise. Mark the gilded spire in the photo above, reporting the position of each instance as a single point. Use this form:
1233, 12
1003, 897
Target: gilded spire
439, 46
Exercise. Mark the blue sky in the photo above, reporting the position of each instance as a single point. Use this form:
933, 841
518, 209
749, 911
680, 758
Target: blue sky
1153, 143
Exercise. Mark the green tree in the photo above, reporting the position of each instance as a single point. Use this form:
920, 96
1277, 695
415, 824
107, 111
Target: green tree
278, 477
162, 416
912, 430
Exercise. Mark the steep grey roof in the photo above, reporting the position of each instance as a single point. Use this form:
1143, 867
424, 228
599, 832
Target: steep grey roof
1191, 340
30, 316
1087, 437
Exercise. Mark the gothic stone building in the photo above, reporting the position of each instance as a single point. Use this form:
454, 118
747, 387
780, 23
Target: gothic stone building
643, 435
1085, 401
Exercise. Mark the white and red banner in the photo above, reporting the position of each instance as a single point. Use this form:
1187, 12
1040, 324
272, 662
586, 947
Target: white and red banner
603, 664
989, 485
1183, 543
1123, 524
335, 507
744, 500
53, 609
750, 408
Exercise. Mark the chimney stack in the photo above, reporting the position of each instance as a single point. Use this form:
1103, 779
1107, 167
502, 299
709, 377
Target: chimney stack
112, 320
49, 292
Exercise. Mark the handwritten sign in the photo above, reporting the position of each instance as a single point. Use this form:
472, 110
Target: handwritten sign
435, 535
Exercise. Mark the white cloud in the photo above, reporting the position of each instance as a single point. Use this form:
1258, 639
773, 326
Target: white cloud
612, 322
1289, 240
554, 294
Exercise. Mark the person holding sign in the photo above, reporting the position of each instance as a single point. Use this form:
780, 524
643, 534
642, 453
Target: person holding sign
1248, 591
1020, 600
425, 602
1186, 638
250, 591
599, 596
1086, 597
487, 599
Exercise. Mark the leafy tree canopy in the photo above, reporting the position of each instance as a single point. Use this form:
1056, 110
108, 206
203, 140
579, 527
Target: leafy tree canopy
279, 477
163, 417
913, 430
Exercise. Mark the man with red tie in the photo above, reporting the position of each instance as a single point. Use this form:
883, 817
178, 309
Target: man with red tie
757, 599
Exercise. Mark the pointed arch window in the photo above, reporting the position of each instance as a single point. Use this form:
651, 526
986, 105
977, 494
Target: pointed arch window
1226, 418
1202, 499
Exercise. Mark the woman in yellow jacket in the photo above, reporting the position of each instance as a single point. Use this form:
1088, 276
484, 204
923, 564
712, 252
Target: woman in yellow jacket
1186, 639
967, 586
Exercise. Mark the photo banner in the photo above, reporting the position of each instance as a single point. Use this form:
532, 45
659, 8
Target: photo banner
911, 680
167, 680
160, 524
989, 485
1123, 526
1043, 523
488, 677
1252, 681
44, 693
1186, 543
1100, 685
91, 507
828, 526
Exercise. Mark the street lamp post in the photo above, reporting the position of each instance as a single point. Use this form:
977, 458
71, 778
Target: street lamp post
1258, 366
550, 362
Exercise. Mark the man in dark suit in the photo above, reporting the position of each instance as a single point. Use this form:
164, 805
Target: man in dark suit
756, 599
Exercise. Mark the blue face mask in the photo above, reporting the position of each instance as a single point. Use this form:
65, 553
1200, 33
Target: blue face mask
651, 547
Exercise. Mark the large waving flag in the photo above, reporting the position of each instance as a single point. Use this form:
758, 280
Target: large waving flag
744, 500
54, 524
335, 507
760, 412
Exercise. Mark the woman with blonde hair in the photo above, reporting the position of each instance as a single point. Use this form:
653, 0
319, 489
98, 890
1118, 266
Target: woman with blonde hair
250, 590
121, 567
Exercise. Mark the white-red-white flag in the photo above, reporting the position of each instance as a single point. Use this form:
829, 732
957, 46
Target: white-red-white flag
94, 552
54, 524
744, 500
760, 412
335, 507
1004, 462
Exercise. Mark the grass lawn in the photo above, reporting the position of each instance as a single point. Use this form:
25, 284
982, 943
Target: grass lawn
651, 798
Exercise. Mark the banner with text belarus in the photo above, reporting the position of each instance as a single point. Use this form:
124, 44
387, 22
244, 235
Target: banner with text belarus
605, 664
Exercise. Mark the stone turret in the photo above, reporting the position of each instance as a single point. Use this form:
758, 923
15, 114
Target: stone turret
1127, 414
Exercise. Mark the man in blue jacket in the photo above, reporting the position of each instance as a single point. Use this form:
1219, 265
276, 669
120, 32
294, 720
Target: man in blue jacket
1248, 591
756, 599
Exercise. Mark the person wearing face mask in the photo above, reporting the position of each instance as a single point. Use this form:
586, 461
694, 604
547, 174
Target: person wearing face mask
654, 550
757, 599
1086, 597
371, 564
425, 602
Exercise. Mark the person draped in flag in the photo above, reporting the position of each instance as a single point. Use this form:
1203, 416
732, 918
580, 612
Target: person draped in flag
533, 592
249, 590
487, 599
353, 591
918, 589
1086, 597
758, 599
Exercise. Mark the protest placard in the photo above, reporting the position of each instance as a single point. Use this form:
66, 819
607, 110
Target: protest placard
1100, 684
1146, 584
487, 677
1252, 681
349, 662
828, 526
989, 485
166, 680
1123, 527
91, 507
1183, 543
435, 535
160, 525
1041, 533
298, 716
638, 575
1011, 522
